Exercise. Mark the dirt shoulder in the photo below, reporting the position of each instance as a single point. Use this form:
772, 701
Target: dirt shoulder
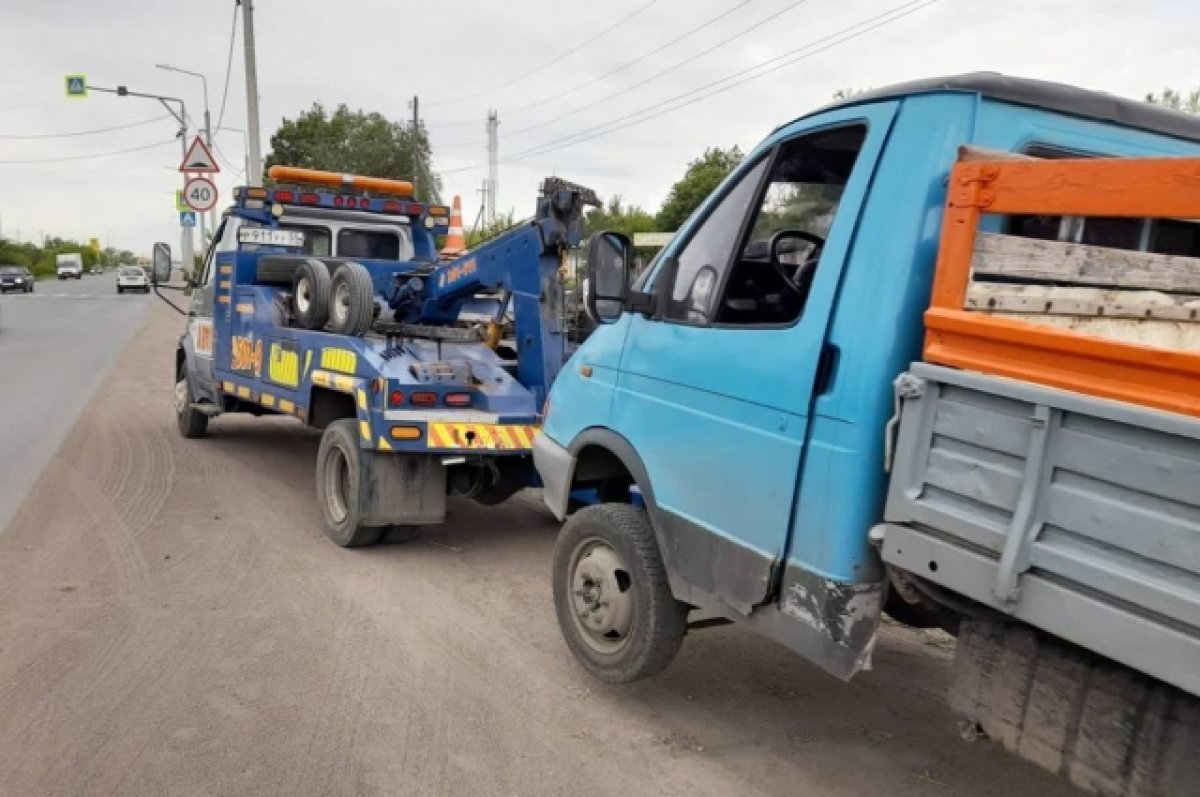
173, 621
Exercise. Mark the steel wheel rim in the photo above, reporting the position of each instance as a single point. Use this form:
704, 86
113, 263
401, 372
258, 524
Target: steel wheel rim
337, 484
303, 295
600, 593
181, 396
341, 302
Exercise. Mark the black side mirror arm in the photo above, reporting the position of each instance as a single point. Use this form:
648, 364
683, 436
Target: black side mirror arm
660, 292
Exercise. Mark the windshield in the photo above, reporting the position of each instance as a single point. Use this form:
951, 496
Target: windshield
131, 272
11, 272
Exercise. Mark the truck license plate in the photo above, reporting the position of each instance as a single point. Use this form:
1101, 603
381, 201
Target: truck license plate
266, 237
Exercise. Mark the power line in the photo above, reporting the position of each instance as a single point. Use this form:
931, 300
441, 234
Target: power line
639, 59
90, 156
576, 88
549, 63
657, 75
651, 111
32, 136
228, 67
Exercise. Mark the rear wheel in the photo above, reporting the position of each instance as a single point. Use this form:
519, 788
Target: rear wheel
340, 488
352, 308
192, 424
310, 294
614, 605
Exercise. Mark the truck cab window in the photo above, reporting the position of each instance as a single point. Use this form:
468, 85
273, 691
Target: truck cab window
770, 279
368, 244
705, 258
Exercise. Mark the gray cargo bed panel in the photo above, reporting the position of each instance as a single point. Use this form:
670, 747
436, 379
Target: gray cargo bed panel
1078, 515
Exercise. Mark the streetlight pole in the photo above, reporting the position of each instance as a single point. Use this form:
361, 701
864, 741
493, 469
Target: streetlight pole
212, 220
185, 233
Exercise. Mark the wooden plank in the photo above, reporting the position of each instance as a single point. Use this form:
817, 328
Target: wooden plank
1088, 302
1174, 336
1126, 187
1033, 259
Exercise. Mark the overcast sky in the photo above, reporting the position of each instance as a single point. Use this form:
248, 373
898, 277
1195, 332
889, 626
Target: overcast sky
464, 57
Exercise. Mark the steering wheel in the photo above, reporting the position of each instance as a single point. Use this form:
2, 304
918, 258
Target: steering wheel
801, 279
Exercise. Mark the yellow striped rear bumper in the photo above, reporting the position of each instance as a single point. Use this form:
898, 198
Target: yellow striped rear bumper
481, 436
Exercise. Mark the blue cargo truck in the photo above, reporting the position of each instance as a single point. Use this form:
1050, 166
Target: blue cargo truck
769, 449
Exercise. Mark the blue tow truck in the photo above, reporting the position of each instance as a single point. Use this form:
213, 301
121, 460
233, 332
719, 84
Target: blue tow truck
760, 389
323, 298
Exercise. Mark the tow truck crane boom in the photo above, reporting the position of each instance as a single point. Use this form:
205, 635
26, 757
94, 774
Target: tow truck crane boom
500, 266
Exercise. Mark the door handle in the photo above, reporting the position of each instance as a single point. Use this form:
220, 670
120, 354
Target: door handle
826, 369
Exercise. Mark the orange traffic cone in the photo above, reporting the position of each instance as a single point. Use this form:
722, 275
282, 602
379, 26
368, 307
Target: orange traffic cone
456, 242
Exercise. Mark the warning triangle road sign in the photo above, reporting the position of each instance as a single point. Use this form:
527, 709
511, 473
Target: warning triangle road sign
199, 158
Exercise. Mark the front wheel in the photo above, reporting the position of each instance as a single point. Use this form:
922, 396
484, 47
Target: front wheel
192, 424
614, 605
341, 488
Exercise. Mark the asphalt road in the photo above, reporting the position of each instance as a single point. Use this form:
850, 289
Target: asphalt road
173, 621
55, 344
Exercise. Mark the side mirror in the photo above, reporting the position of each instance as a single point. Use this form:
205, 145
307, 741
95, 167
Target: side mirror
609, 261
161, 273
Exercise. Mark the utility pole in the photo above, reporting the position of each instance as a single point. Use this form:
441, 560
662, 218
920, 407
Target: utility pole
493, 178
254, 176
416, 130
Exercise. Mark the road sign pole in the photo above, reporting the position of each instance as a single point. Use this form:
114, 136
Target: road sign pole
185, 233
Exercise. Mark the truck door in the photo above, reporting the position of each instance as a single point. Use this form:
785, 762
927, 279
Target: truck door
200, 316
715, 395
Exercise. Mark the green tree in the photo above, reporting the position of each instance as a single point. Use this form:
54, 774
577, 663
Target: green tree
701, 177
616, 217
41, 259
487, 232
356, 142
1170, 98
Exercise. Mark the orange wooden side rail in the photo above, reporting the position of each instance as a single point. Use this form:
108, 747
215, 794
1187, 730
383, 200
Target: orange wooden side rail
1056, 357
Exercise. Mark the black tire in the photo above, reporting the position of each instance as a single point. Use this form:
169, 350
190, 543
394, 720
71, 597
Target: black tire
341, 488
310, 295
607, 575
352, 300
120, 291
192, 424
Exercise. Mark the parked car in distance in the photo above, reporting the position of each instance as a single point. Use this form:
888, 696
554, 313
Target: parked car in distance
132, 278
15, 278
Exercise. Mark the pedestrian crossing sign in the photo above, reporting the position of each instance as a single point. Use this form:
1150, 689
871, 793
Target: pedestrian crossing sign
187, 218
77, 86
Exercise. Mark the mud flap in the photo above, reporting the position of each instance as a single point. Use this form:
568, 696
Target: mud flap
1107, 729
402, 489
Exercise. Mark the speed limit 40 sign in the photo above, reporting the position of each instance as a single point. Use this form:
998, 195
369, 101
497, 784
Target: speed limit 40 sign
200, 193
